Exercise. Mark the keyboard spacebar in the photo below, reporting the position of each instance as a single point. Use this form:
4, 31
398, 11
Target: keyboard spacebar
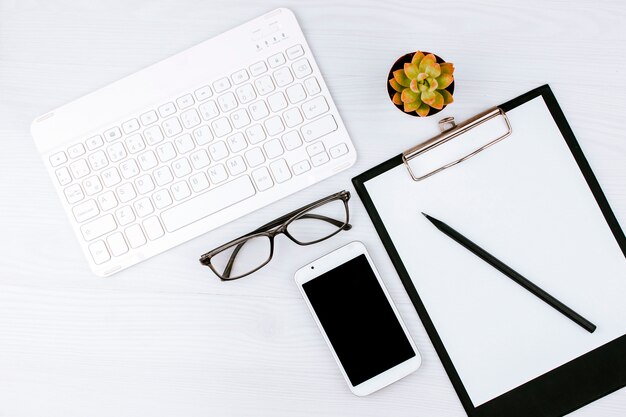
208, 203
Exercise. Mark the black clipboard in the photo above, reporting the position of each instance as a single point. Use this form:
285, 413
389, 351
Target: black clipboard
565, 388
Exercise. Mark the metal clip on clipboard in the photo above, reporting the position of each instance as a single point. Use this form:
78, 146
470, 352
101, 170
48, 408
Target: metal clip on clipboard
450, 131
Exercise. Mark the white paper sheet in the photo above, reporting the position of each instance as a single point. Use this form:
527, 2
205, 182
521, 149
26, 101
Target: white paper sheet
525, 201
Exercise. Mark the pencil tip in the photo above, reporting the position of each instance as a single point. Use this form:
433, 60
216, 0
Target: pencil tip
427, 216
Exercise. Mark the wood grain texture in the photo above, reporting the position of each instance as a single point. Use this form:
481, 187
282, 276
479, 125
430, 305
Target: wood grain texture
165, 338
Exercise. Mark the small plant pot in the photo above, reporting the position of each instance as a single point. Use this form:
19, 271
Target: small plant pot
399, 64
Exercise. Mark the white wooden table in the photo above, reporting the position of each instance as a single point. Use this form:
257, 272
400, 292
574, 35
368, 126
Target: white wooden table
166, 338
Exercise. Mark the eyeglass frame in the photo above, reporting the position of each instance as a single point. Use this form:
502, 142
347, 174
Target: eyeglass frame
276, 227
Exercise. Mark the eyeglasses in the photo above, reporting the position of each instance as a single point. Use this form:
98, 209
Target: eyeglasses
310, 224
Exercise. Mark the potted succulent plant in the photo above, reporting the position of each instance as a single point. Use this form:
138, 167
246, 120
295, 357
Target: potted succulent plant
421, 83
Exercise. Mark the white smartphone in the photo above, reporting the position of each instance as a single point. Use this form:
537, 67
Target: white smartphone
358, 319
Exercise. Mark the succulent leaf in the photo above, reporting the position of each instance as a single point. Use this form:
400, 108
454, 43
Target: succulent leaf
409, 107
444, 80
422, 76
396, 99
417, 57
394, 84
447, 97
411, 70
433, 85
423, 110
447, 68
414, 86
438, 101
430, 66
401, 78
409, 96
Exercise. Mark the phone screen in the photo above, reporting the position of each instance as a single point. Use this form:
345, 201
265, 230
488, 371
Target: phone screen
358, 320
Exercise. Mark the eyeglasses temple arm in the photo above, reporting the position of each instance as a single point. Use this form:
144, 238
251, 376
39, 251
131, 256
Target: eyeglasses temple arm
231, 260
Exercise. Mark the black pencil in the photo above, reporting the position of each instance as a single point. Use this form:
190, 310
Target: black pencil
509, 272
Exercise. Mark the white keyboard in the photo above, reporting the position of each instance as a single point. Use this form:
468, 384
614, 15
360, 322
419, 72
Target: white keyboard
195, 141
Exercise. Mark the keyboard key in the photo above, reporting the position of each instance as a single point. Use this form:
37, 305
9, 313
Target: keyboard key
222, 84
181, 167
184, 143
98, 227
240, 76
245, 93
203, 135
292, 140
153, 228
74, 193
277, 102
129, 168
319, 159
180, 190
203, 93
208, 203
98, 160
58, 159
153, 135
130, 126
113, 134
294, 52
198, 182
296, 93
312, 86
199, 159
190, 118
315, 107
283, 77
319, 128
167, 109
258, 68
237, 142
316, 148
147, 160
185, 101
99, 252
85, 211
221, 127
301, 167
135, 236
63, 176
258, 110
274, 125
79, 169
166, 152
217, 173
117, 244
148, 118
208, 110
94, 142
125, 192
338, 150
111, 177
240, 118
236, 165
162, 199
172, 127
143, 207
163, 176
144, 184
301, 68
255, 134
218, 150
264, 85
273, 148
293, 117
107, 200
125, 215
254, 157
280, 171
76, 150
135, 143
116, 152
92, 185
227, 101
262, 179
276, 60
